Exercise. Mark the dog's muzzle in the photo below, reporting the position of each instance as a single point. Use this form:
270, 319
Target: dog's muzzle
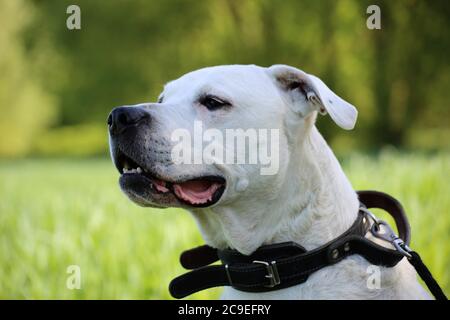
147, 174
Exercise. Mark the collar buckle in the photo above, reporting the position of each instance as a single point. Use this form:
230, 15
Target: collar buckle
272, 273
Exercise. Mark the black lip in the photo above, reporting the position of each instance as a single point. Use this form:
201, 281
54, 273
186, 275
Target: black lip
120, 158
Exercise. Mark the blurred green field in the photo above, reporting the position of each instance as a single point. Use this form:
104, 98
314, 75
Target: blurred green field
56, 213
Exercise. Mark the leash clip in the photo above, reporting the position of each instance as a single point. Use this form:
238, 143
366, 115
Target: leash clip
382, 230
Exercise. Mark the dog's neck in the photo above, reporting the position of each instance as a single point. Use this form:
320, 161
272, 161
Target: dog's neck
322, 204
315, 204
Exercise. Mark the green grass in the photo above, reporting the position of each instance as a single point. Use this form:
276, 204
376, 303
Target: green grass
56, 213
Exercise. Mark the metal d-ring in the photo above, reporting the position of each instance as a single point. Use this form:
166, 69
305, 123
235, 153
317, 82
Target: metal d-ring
371, 216
388, 235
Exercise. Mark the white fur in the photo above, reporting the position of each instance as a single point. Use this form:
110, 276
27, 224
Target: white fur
310, 201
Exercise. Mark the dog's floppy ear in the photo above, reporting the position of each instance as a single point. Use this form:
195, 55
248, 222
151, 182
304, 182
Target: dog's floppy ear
312, 94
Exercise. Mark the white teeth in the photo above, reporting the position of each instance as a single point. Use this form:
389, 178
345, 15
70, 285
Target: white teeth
138, 170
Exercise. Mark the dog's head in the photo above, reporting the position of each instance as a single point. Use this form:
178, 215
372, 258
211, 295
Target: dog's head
178, 152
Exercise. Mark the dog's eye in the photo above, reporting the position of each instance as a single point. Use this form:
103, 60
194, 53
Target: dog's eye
160, 99
213, 103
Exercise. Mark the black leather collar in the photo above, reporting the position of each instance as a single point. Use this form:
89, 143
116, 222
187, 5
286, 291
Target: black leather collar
282, 265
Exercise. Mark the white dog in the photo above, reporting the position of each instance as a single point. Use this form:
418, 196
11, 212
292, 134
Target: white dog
308, 201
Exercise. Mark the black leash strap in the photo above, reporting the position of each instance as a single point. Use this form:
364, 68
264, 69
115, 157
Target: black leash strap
376, 199
426, 276
283, 265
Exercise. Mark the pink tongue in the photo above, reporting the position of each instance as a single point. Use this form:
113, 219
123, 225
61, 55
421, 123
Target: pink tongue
196, 191
160, 185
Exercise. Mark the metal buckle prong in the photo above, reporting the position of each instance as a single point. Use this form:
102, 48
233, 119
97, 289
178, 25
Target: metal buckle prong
228, 275
272, 273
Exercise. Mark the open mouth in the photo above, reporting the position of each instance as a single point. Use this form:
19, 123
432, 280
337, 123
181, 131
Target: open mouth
201, 191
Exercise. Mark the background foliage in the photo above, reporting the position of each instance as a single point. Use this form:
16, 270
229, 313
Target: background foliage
56, 80
57, 87
57, 212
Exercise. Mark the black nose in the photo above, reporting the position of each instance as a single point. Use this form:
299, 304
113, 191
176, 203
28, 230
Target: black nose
123, 117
